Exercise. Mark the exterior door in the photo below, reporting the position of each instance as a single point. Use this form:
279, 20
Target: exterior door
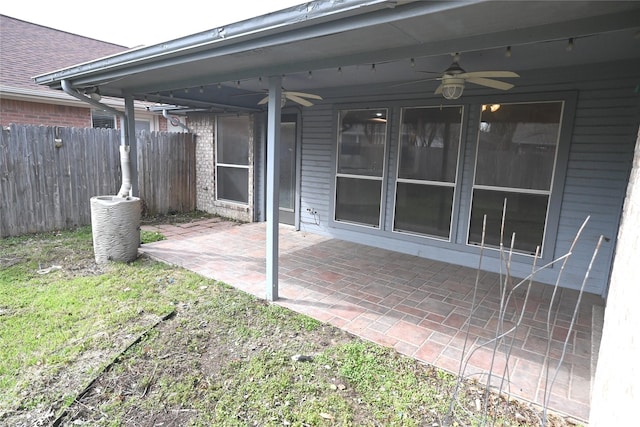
288, 168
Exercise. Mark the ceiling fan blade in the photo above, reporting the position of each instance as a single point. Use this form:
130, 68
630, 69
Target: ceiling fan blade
299, 100
496, 84
247, 94
489, 74
429, 72
414, 82
439, 90
303, 94
263, 100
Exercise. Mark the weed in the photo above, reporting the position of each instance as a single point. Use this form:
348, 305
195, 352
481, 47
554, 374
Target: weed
150, 236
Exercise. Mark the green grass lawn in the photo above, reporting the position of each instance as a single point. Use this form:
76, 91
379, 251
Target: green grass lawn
84, 344
60, 327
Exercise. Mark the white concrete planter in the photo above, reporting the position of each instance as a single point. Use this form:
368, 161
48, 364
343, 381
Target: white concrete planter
115, 224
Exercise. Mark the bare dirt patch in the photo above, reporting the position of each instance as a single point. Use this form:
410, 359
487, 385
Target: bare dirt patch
179, 374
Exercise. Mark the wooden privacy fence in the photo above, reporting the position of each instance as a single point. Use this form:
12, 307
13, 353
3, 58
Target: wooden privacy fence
167, 172
49, 174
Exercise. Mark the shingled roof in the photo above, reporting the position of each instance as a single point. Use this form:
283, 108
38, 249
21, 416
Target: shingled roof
28, 49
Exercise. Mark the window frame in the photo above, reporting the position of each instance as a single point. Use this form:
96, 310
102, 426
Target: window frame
293, 196
382, 179
217, 164
552, 218
455, 184
103, 115
467, 155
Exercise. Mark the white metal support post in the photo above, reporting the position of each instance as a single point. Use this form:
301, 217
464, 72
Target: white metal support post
273, 184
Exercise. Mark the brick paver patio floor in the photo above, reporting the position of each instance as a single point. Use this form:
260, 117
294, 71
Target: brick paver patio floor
415, 305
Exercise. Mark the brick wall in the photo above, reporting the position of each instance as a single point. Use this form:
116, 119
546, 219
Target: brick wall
38, 114
203, 126
616, 388
162, 124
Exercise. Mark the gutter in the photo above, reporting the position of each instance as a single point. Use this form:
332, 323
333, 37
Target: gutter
125, 163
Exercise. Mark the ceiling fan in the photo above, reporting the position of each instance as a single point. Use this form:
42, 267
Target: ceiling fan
297, 97
454, 78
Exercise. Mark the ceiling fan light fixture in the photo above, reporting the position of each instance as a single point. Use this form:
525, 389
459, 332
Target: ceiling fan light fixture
452, 90
455, 78
491, 107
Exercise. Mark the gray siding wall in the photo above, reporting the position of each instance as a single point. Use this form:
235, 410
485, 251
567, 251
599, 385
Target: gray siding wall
318, 169
600, 157
605, 122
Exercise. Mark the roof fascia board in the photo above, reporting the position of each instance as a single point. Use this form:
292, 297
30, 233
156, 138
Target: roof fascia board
58, 98
192, 48
34, 95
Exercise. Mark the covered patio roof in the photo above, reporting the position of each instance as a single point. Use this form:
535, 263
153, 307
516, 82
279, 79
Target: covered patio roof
363, 49
325, 46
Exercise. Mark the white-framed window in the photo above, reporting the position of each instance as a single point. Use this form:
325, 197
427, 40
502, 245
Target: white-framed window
515, 162
233, 139
427, 170
143, 125
360, 166
103, 119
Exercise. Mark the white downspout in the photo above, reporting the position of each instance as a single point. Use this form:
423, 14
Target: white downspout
125, 163
125, 167
166, 115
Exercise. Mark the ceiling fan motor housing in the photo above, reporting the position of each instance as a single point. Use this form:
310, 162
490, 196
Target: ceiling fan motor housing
454, 69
